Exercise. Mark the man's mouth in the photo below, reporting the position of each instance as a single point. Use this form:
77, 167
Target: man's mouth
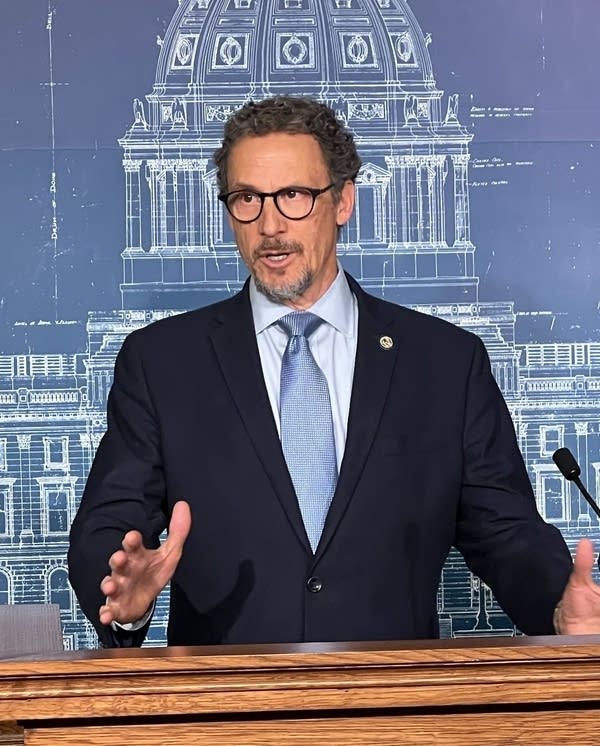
276, 257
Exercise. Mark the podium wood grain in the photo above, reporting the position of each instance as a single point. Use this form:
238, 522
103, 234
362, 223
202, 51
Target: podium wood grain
496, 730
487, 691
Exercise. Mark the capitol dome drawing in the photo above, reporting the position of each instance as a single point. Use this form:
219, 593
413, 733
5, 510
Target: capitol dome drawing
409, 239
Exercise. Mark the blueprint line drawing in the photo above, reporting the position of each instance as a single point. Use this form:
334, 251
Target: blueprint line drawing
412, 240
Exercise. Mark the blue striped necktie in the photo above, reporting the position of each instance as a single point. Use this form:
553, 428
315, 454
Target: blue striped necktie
306, 422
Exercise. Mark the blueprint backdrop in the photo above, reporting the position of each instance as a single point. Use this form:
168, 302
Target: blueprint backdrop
478, 123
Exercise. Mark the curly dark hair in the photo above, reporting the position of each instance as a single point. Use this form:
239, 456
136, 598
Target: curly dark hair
293, 115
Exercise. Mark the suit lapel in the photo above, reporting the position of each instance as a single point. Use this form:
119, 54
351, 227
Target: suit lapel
234, 342
373, 369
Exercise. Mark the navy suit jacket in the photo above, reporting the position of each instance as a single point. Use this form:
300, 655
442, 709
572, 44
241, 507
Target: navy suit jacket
431, 461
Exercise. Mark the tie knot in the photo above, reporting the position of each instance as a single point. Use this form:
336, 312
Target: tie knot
300, 323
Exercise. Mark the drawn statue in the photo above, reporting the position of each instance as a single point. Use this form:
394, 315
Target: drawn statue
178, 113
410, 109
452, 112
139, 116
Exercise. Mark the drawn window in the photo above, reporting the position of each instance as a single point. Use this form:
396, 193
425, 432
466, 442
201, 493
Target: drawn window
6, 490
553, 500
552, 437
57, 502
59, 591
3, 455
3, 511
370, 213
4, 588
56, 453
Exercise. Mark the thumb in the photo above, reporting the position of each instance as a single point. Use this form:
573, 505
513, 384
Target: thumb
583, 563
179, 526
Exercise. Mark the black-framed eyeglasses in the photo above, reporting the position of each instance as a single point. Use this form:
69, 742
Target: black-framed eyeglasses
293, 202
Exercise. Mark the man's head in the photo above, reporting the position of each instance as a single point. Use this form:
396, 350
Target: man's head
295, 151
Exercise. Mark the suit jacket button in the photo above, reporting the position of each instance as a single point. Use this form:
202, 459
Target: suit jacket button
314, 584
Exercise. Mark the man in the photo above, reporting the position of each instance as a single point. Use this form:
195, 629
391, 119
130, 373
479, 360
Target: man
230, 425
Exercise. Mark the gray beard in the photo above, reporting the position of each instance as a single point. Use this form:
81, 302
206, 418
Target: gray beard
286, 293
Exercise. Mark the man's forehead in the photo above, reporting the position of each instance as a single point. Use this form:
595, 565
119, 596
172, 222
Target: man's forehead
276, 152
291, 142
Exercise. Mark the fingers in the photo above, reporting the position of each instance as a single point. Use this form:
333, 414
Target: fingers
132, 541
106, 615
583, 563
138, 574
119, 562
179, 527
109, 586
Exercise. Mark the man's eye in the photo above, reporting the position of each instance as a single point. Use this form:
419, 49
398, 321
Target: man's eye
245, 198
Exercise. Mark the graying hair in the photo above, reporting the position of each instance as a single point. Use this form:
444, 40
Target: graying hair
293, 115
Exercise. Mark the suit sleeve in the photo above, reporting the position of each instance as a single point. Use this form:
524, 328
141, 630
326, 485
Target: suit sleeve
500, 533
125, 489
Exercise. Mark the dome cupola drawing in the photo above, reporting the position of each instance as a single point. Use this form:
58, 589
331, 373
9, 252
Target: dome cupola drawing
409, 239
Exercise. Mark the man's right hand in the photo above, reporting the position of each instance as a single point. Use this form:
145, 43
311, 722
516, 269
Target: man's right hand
138, 574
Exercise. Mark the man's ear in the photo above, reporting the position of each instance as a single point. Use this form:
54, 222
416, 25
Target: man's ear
345, 206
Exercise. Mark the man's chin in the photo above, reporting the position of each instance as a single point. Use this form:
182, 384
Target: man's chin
283, 292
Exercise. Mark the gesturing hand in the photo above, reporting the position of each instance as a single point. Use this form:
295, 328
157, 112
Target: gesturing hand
138, 574
579, 610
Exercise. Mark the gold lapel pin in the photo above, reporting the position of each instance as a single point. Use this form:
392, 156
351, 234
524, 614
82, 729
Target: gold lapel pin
386, 343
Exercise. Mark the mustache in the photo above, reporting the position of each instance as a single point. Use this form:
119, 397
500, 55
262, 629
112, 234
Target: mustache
277, 246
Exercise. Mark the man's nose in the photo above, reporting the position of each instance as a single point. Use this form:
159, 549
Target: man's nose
271, 221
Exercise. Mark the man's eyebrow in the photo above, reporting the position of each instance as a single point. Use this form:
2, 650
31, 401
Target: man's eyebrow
242, 187
251, 188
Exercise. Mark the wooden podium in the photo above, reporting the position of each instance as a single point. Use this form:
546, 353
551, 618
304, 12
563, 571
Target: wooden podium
473, 691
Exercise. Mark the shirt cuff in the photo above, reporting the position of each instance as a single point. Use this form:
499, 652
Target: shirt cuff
134, 626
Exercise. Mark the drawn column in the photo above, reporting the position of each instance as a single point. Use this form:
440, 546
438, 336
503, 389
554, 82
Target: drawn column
440, 165
581, 431
461, 200
26, 506
133, 205
398, 202
393, 202
186, 202
421, 220
152, 171
199, 205
189, 230
434, 220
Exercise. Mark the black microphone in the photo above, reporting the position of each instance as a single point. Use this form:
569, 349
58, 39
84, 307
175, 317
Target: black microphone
570, 470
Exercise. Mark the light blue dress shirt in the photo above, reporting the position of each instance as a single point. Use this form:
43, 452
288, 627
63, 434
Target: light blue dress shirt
333, 346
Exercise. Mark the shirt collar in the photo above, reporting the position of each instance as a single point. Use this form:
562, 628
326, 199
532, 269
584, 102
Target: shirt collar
334, 306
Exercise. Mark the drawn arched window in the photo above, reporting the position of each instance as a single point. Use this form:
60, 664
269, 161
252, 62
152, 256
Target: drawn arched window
60, 592
4, 588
